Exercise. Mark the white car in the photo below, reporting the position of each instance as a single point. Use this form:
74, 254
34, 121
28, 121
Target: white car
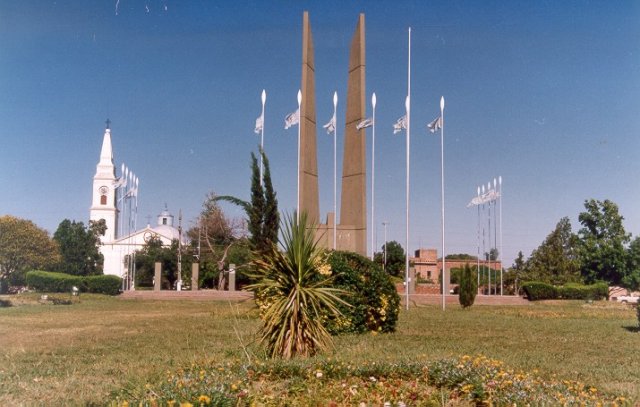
627, 299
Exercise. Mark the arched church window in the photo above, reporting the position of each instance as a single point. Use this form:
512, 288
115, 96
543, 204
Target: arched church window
103, 199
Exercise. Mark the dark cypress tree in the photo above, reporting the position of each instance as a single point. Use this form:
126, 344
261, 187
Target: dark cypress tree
256, 213
271, 214
468, 286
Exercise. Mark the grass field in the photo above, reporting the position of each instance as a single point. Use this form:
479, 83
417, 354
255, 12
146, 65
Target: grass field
87, 352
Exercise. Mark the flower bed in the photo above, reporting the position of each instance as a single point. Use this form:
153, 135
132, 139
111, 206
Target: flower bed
332, 382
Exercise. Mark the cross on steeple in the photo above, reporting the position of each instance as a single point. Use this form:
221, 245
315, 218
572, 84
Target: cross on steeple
108, 122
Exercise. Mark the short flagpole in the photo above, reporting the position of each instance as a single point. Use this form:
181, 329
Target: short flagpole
444, 268
373, 188
335, 171
264, 99
299, 126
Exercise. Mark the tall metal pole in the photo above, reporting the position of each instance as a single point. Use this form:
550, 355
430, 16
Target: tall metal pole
179, 287
444, 268
495, 233
299, 126
489, 234
483, 235
264, 99
373, 178
335, 171
408, 109
478, 259
500, 214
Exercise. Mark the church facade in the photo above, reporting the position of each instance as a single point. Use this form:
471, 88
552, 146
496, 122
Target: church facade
111, 202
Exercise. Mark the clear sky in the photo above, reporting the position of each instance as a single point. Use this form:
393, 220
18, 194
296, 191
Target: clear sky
545, 94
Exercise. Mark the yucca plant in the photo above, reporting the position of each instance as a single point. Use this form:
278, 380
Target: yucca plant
293, 290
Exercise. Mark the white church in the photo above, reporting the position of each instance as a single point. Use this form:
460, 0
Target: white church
115, 201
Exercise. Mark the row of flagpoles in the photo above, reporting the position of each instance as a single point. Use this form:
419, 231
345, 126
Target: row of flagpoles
484, 199
126, 187
403, 123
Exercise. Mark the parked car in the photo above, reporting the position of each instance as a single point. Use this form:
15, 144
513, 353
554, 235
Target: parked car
627, 299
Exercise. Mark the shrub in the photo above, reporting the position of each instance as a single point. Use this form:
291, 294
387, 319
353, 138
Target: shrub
52, 282
574, 291
46, 281
373, 296
468, 286
537, 290
5, 303
107, 284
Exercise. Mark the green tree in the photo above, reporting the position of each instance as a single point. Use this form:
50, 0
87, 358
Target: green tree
514, 275
218, 241
468, 286
460, 256
79, 247
602, 243
154, 251
395, 258
294, 292
23, 247
556, 260
632, 278
262, 211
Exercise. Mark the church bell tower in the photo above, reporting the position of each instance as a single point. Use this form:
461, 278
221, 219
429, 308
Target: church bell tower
103, 205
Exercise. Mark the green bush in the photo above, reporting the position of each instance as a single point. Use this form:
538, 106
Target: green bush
46, 281
574, 291
468, 286
536, 290
374, 299
107, 284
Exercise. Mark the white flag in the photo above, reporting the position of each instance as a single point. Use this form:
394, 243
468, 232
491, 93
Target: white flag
292, 119
331, 126
400, 125
435, 125
259, 125
368, 122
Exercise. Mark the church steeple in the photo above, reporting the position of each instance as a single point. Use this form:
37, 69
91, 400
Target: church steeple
104, 197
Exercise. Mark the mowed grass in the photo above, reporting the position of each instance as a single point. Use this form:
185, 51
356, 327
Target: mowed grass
87, 352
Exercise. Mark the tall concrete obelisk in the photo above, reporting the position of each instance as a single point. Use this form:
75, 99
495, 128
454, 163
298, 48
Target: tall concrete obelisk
353, 211
308, 150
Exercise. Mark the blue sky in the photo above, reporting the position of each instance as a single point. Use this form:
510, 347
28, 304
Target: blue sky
545, 94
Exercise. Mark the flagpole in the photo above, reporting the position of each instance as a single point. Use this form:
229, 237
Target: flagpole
408, 109
489, 235
335, 171
373, 189
264, 99
495, 230
500, 196
478, 259
445, 284
299, 126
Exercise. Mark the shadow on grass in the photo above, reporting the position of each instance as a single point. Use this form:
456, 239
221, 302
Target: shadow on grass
632, 328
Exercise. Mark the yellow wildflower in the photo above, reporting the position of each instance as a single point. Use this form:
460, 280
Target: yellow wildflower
204, 399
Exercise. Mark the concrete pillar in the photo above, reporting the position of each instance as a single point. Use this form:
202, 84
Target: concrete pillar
157, 278
412, 280
232, 277
195, 271
353, 210
309, 198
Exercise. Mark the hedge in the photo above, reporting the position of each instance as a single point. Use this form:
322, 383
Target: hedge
537, 290
46, 281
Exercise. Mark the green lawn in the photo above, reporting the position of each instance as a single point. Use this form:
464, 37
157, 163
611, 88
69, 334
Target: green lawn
89, 351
